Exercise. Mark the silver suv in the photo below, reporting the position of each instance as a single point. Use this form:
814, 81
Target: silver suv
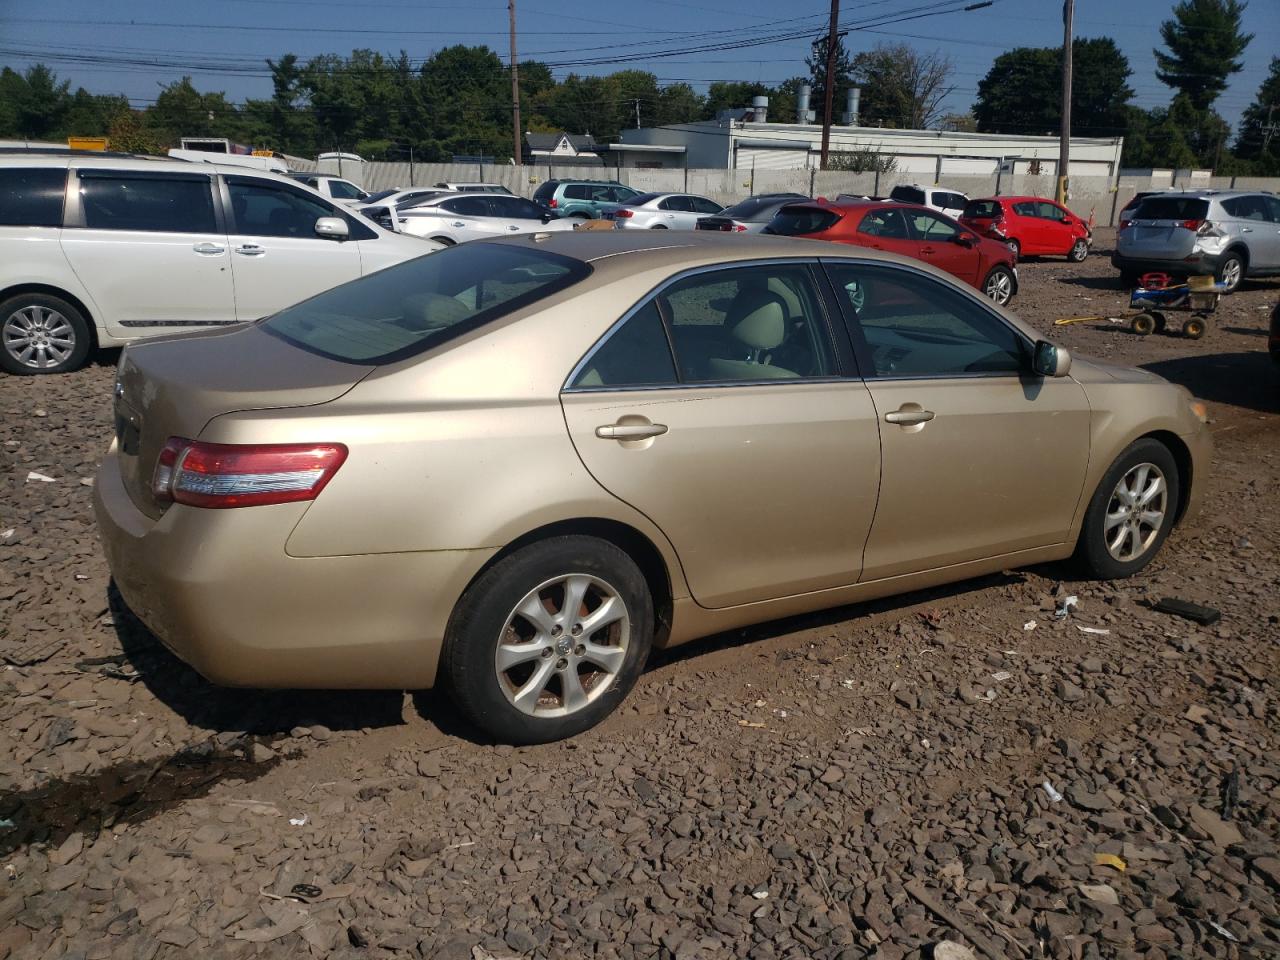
1230, 235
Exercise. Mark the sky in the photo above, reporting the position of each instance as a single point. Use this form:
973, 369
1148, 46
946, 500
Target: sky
112, 47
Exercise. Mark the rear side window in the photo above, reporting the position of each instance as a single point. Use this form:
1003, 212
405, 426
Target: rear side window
981, 210
793, 221
414, 306
1172, 208
681, 204
577, 191
907, 195
635, 355
148, 203
32, 197
1247, 208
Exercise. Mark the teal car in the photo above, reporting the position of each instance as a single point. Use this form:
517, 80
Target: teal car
584, 199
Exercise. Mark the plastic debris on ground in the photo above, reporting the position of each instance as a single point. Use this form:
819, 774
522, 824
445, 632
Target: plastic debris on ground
297, 821
1098, 630
1054, 795
1001, 676
1109, 860
1066, 606
1029, 625
40, 478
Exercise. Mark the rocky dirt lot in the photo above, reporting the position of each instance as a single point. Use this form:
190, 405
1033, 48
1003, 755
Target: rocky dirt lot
949, 774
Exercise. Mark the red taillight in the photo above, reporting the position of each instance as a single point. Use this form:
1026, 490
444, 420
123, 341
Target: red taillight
220, 475
1191, 224
739, 228
1125, 223
552, 203
622, 213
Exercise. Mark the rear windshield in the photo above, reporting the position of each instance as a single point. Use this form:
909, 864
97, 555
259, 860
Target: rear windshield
545, 191
981, 209
907, 194
380, 195
641, 199
1172, 208
414, 306
754, 207
790, 221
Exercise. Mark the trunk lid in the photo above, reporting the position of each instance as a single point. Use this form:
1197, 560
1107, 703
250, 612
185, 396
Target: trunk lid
723, 224
1157, 239
174, 387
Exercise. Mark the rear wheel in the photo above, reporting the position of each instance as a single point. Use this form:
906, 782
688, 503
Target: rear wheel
548, 641
1193, 329
1079, 250
1015, 247
1131, 512
999, 285
1144, 324
1231, 271
40, 333
658, 226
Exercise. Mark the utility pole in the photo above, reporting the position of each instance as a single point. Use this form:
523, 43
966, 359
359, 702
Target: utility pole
517, 137
829, 92
1064, 144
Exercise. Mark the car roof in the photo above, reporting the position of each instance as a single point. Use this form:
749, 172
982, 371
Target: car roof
97, 160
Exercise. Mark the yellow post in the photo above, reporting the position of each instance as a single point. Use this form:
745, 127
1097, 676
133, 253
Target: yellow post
1061, 195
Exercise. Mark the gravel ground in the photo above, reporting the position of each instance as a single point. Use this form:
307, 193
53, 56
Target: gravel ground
927, 776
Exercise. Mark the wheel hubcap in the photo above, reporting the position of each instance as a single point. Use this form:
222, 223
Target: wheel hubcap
38, 337
1231, 273
1136, 512
1000, 288
562, 646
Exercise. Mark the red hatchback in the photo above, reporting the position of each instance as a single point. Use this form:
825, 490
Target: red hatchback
908, 229
1030, 226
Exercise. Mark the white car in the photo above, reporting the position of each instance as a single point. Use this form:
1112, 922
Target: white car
457, 217
472, 187
661, 211
950, 202
379, 206
99, 251
333, 188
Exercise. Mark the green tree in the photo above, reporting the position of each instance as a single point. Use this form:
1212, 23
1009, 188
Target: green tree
466, 102
817, 64
1254, 142
90, 115
33, 104
680, 103
900, 86
1022, 92
733, 94
129, 134
1204, 48
183, 111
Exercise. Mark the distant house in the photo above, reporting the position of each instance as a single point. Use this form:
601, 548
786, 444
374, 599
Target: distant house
562, 149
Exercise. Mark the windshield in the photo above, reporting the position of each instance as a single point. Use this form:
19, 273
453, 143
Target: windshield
414, 306
1172, 208
792, 221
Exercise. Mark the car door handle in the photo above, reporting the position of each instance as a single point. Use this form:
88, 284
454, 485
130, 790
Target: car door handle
927, 250
630, 431
909, 417
458, 223
1246, 229
250, 250
209, 249
513, 227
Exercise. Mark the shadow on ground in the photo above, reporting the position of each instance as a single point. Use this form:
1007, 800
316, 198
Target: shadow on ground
1247, 380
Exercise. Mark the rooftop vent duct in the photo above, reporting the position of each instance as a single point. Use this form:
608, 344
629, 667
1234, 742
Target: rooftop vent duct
852, 103
760, 109
803, 113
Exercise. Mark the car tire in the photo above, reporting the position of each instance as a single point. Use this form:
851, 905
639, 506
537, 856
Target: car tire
446, 241
1120, 537
1079, 250
60, 331
1231, 270
658, 226
1194, 328
999, 285
511, 647
1144, 324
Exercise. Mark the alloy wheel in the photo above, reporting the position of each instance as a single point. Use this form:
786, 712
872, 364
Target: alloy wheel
1136, 512
38, 337
563, 645
999, 287
1231, 271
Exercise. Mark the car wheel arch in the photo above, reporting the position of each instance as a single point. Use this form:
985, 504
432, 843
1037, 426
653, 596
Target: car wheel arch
1182, 459
18, 289
636, 544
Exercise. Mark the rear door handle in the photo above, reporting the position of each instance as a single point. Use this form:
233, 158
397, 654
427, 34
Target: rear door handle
207, 249
1246, 229
250, 250
458, 223
909, 418
630, 431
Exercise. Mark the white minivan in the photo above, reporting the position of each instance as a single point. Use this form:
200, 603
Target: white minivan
100, 250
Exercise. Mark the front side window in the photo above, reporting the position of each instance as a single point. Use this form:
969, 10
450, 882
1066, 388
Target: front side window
1051, 211
1273, 209
930, 226
914, 326
32, 197
414, 306
342, 190
514, 208
148, 203
889, 224
266, 209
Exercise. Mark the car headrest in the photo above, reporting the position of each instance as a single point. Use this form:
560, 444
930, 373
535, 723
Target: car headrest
433, 311
758, 318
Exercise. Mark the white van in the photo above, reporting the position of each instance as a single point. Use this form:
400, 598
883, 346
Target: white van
99, 250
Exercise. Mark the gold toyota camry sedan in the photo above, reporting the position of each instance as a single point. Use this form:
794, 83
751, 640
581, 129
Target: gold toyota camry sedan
512, 468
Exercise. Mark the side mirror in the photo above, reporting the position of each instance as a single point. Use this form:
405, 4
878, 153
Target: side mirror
1050, 361
332, 228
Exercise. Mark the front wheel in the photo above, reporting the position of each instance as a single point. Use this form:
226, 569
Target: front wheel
40, 333
1131, 512
1079, 250
549, 640
999, 285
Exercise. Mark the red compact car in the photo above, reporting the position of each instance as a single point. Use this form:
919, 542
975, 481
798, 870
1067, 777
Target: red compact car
908, 229
1030, 226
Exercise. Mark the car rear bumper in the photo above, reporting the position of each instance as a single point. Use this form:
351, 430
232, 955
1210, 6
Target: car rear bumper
1198, 263
218, 589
